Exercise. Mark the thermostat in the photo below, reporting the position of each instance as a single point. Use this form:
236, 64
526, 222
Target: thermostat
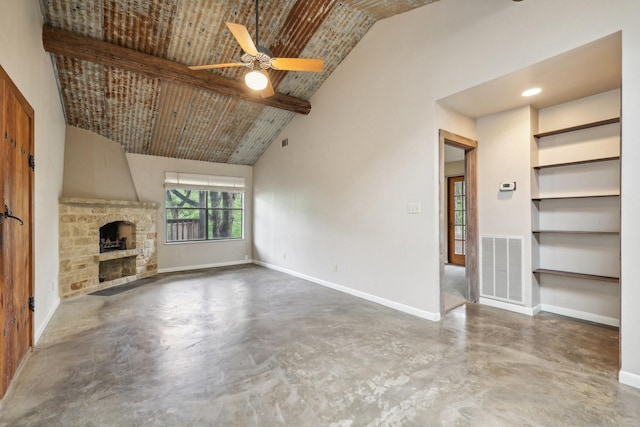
508, 186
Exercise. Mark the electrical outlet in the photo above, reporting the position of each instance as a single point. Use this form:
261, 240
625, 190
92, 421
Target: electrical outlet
335, 268
284, 256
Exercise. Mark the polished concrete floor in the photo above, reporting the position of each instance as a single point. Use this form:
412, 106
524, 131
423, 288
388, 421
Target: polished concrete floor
253, 347
455, 286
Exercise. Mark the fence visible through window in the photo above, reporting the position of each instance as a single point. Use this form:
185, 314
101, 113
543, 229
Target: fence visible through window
193, 215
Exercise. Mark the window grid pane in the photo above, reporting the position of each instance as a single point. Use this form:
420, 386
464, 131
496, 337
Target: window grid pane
193, 215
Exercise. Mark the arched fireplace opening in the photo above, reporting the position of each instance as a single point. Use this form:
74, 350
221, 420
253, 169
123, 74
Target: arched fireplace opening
117, 236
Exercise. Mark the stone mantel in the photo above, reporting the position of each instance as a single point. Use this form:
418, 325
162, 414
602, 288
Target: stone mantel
101, 202
81, 263
106, 256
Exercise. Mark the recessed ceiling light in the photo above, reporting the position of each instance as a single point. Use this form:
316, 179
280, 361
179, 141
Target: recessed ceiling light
531, 92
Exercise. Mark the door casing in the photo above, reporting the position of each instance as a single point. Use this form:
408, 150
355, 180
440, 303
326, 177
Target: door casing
470, 148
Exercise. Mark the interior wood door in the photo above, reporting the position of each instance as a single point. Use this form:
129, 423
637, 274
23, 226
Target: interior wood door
457, 220
16, 201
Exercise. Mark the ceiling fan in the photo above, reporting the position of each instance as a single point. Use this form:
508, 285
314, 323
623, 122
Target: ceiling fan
259, 59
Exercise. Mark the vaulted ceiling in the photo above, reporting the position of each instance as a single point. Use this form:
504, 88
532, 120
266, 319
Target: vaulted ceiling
121, 68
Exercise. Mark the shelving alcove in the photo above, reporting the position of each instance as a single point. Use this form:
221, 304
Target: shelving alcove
576, 204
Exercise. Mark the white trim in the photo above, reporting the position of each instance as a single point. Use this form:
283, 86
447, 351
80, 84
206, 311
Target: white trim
583, 315
629, 379
532, 311
434, 317
516, 308
38, 333
204, 182
202, 266
188, 242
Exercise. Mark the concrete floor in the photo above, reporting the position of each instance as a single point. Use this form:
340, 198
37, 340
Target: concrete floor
455, 286
253, 347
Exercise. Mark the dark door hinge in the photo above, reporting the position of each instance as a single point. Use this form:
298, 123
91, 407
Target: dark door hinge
32, 162
32, 304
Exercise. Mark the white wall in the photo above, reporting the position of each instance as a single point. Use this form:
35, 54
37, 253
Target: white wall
503, 156
338, 193
630, 202
23, 58
95, 167
454, 168
148, 176
454, 122
593, 108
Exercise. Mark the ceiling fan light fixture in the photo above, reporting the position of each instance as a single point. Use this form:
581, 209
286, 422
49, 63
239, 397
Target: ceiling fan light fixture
256, 80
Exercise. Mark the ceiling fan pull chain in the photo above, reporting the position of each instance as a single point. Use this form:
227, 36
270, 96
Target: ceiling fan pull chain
257, 38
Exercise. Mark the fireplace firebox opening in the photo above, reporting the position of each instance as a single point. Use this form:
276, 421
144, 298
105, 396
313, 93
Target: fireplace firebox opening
117, 236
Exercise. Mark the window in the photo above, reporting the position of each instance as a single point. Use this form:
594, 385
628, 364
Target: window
203, 209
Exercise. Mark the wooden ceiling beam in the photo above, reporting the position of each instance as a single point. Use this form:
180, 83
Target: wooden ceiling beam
66, 43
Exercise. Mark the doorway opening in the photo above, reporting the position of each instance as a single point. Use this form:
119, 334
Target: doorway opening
458, 221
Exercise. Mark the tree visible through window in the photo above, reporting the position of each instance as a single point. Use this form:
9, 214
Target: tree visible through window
203, 215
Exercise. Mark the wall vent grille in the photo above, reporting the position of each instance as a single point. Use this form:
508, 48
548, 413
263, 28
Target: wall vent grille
501, 268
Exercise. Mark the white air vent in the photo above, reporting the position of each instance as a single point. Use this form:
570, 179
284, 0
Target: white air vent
501, 268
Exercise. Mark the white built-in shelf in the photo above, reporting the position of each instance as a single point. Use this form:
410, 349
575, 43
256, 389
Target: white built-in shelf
577, 162
610, 279
579, 127
602, 233
577, 192
592, 196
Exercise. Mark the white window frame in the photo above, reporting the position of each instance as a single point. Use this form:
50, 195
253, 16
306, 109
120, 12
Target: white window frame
201, 182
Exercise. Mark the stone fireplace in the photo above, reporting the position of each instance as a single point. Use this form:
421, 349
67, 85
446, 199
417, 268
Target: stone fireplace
104, 243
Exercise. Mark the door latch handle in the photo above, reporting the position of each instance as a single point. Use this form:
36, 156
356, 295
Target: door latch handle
8, 214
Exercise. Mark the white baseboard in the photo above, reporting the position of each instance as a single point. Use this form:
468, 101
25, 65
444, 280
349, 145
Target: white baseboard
529, 311
532, 311
202, 266
583, 315
38, 332
629, 379
434, 317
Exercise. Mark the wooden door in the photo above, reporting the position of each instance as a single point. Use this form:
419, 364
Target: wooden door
16, 196
457, 220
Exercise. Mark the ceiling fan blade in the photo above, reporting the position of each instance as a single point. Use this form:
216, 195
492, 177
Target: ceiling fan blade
298, 64
210, 66
243, 37
268, 91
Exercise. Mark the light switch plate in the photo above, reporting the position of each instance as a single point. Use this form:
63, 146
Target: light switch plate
414, 208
